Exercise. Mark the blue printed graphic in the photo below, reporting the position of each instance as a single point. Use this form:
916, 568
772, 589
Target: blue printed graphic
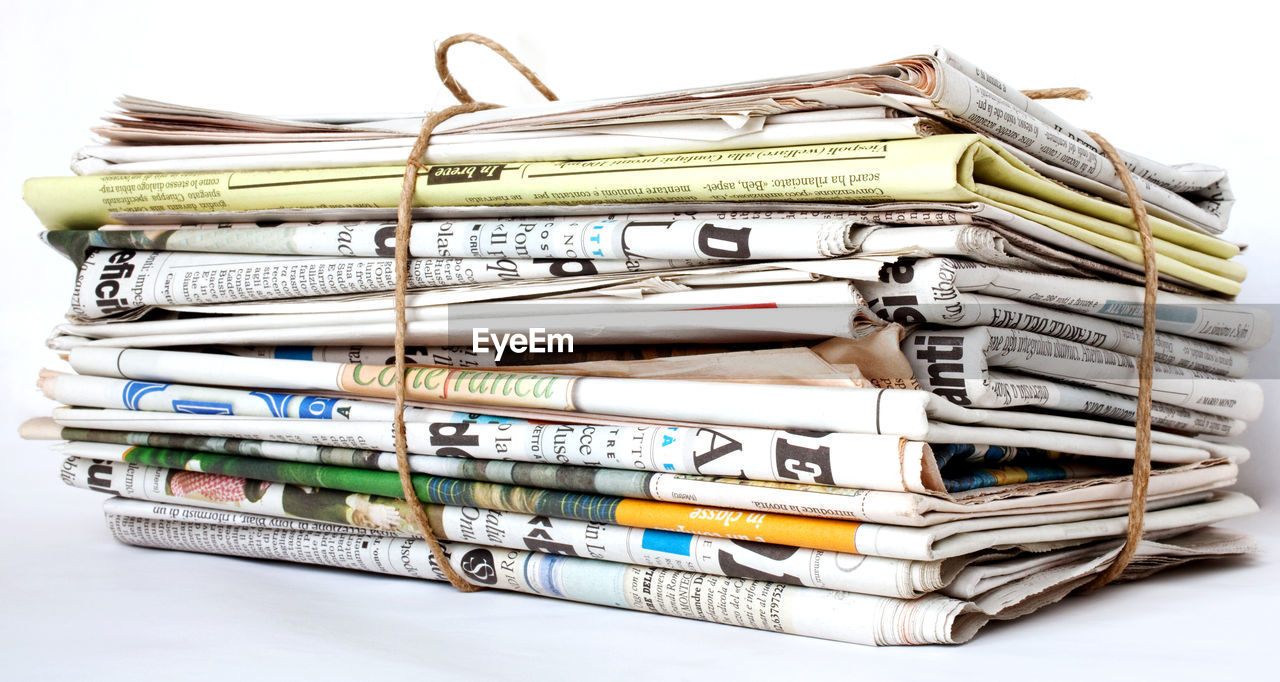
134, 390
545, 573
312, 407
669, 437
667, 541
473, 418
293, 353
595, 239
277, 403
201, 407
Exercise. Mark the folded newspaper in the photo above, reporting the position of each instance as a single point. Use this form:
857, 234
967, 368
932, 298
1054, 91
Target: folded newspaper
850, 355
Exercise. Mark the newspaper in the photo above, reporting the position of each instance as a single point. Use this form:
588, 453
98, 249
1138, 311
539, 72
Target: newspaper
154, 122
142, 122
1032, 469
877, 462
942, 280
929, 169
326, 510
653, 311
762, 363
138, 136
1017, 472
979, 578
856, 618
833, 362
1015, 120
1005, 593
287, 507
663, 549
717, 282
187, 279
900, 509
937, 85
544, 396
917, 415
753, 603
1029, 236
976, 242
150, 473
904, 233
777, 406
673, 592
958, 364
1044, 257
1206, 184
142, 478
941, 85
961, 577
908, 305
698, 237
447, 148
112, 281
754, 285
702, 236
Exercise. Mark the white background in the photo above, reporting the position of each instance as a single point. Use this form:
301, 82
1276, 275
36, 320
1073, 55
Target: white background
74, 604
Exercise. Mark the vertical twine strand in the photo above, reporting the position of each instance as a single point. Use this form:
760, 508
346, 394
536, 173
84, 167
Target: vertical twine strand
1147, 357
1146, 372
404, 225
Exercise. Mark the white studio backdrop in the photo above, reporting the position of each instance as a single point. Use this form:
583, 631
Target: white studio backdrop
1174, 81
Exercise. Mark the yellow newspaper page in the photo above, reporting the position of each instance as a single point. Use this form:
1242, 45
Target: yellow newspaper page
962, 168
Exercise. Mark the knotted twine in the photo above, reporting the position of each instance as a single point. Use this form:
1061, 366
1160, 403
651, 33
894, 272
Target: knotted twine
404, 223
467, 104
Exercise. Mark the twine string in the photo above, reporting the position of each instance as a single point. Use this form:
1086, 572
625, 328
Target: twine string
1146, 372
446, 77
468, 104
1146, 358
404, 225
1057, 93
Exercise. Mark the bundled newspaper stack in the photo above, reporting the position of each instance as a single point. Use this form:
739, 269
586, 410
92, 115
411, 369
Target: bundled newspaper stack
849, 355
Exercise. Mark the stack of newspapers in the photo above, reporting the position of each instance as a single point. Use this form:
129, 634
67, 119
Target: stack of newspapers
850, 355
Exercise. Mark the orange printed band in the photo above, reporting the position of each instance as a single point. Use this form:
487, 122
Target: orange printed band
778, 529
481, 387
